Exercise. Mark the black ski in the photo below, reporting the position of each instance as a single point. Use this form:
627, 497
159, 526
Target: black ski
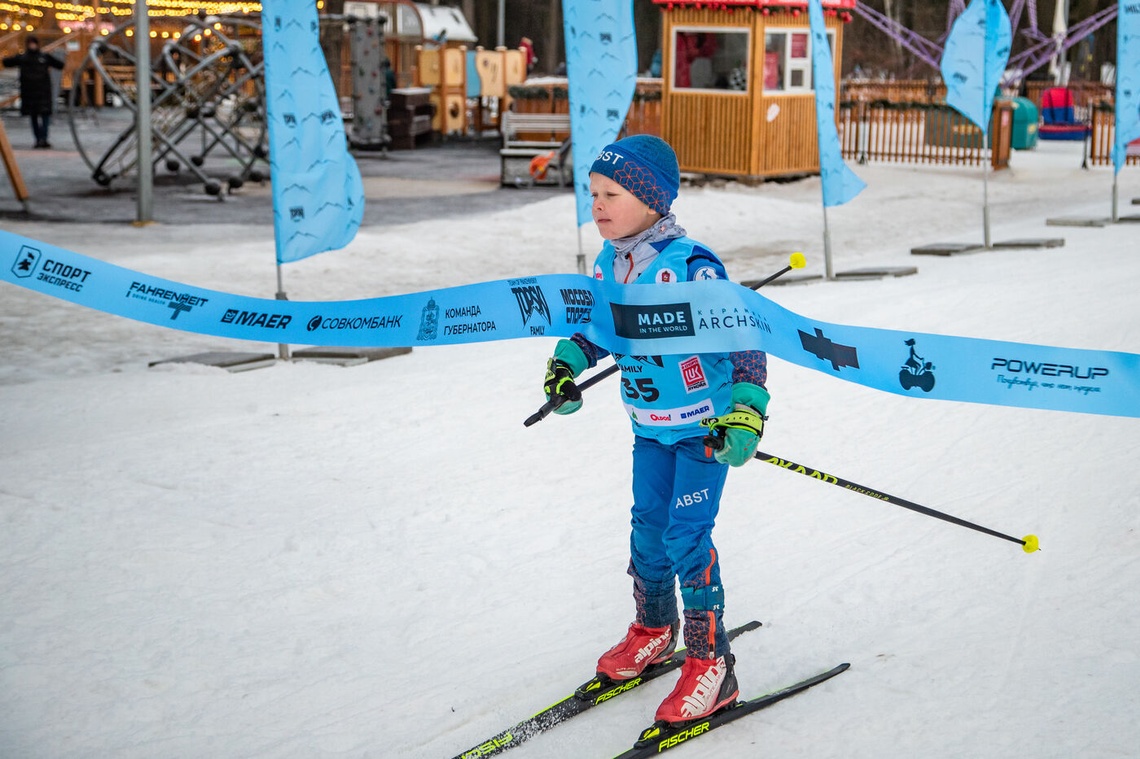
661, 737
595, 691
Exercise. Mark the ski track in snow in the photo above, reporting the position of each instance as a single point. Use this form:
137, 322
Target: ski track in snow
380, 561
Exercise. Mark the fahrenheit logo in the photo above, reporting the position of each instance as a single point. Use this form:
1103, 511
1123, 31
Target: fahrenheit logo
178, 303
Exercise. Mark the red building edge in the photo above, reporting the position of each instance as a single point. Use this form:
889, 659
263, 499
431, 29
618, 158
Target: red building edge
841, 8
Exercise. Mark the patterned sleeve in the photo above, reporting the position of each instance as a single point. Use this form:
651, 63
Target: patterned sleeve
594, 353
749, 366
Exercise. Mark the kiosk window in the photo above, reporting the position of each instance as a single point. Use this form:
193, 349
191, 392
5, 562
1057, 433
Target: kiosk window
787, 60
710, 59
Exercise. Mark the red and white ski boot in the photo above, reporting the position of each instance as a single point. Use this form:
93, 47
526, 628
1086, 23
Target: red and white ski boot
706, 686
641, 647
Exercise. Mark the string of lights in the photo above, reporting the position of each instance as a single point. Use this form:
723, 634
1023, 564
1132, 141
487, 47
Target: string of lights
104, 15
12, 10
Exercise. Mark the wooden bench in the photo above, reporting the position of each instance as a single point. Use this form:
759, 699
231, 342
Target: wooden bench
517, 153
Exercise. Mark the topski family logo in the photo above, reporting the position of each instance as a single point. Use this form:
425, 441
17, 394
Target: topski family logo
532, 302
916, 371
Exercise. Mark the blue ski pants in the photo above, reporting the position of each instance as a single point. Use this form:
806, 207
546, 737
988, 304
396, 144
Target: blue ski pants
676, 496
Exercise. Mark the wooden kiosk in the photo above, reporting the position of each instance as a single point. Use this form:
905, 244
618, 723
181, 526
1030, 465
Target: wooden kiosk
737, 94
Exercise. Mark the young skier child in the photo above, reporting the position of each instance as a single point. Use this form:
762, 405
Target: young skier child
677, 480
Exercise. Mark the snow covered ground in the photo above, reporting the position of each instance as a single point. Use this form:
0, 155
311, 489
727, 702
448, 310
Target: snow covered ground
380, 561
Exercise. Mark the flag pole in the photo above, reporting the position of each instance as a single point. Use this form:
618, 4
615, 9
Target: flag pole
1115, 198
987, 160
828, 270
282, 348
581, 253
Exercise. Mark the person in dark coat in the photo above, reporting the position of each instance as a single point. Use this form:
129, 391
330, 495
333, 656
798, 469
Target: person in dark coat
35, 86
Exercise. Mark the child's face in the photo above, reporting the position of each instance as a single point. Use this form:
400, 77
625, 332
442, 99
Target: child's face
617, 212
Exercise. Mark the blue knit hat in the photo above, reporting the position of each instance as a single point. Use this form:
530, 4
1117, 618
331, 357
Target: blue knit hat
646, 166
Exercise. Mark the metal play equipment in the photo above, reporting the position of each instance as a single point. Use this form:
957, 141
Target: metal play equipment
207, 97
1036, 49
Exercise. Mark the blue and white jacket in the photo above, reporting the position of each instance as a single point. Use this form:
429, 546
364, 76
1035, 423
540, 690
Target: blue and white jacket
667, 396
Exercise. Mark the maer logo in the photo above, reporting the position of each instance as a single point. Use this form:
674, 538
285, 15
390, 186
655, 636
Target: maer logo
256, 319
26, 261
644, 322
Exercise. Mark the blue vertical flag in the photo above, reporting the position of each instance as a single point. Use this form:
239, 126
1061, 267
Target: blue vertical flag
601, 65
1127, 80
318, 198
839, 182
974, 59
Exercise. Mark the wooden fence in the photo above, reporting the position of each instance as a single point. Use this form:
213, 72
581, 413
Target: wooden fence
921, 133
1103, 133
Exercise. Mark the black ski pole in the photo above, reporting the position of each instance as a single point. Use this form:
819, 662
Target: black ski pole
1028, 543
795, 261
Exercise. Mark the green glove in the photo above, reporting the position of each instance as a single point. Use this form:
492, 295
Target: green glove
567, 363
735, 435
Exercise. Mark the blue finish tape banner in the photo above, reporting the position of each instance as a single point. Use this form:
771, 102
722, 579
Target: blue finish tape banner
1127, 80
601, 72
683, 318
318, 196
974, 59
840, 184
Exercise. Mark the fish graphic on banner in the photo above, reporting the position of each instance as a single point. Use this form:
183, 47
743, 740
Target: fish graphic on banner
601, 67
840, 184
974, 59
318, 196
1127, 80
